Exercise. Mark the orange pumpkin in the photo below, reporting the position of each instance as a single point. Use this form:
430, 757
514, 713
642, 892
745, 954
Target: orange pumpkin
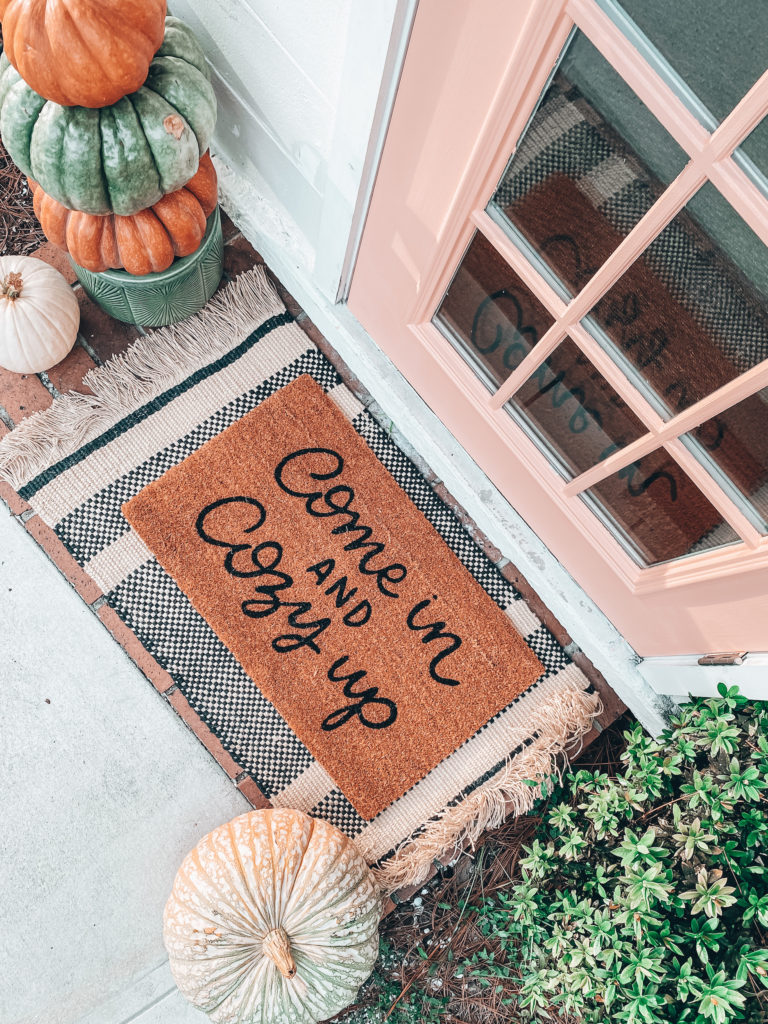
86, 53
144, 243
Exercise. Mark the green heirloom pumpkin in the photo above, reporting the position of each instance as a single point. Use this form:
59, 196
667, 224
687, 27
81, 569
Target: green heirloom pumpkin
125, 157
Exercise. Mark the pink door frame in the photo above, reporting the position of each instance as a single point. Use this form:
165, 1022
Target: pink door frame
464, 99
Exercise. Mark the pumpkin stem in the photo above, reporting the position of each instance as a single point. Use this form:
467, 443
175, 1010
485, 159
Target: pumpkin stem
10, 287
277, 947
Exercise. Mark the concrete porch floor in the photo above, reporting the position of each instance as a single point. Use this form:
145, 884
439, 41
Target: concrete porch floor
105, 789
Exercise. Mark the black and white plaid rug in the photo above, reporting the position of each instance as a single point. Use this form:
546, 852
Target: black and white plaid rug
77, 463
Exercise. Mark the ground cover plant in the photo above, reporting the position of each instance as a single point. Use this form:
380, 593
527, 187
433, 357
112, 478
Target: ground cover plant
641, 895
428, 942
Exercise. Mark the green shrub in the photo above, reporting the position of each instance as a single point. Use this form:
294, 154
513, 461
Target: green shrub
644, 898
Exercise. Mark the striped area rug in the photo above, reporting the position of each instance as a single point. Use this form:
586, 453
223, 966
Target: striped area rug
78, 462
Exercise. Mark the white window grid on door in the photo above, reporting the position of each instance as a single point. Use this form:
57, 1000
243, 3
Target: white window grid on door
711, 159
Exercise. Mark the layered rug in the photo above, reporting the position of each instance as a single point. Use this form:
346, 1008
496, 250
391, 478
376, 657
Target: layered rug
320, 608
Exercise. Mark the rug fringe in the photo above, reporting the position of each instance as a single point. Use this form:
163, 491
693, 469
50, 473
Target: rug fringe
150, 366
562, 724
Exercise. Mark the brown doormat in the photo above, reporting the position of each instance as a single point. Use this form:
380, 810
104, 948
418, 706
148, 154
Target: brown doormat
337, 597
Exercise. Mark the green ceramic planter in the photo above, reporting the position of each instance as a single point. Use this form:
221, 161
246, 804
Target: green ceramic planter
153, 300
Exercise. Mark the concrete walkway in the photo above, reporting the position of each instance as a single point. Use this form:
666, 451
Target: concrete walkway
103, 792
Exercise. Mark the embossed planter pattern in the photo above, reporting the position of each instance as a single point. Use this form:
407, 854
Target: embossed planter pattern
154, 300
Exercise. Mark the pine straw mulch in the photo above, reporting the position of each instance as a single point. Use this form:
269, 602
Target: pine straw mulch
435, 921
20, 232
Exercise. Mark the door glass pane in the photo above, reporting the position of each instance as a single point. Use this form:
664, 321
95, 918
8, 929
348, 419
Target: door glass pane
755, 146
591, 162
737, 441
572, 412
692, 312
489, 315
718, 49
655, 509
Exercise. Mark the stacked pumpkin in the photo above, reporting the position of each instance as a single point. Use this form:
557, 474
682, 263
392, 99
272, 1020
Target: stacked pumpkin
107, 107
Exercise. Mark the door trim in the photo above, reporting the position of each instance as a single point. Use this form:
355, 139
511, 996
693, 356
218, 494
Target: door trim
682, 676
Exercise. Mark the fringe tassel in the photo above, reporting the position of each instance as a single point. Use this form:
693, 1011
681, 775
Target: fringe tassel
561, 725
150, 366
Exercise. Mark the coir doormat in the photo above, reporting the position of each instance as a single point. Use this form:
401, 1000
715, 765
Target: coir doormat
81, 461
334, 593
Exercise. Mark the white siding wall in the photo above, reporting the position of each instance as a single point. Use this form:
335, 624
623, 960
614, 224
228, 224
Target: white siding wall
297, 82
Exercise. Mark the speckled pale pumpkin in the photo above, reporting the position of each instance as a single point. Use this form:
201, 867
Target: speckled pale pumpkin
123, 158
39, 315
272, 917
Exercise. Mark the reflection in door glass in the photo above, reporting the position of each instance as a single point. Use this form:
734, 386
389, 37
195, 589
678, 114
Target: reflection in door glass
489, 315
590, 164
657, 511
718, 49
737, 441
692, 312
572, 412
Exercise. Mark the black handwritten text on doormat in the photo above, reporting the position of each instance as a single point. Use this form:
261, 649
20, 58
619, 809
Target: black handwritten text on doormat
298, 474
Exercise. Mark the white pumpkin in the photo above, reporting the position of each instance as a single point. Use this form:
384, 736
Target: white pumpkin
272, 917
39, 315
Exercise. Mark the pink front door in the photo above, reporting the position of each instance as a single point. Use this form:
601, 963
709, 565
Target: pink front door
565, 255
